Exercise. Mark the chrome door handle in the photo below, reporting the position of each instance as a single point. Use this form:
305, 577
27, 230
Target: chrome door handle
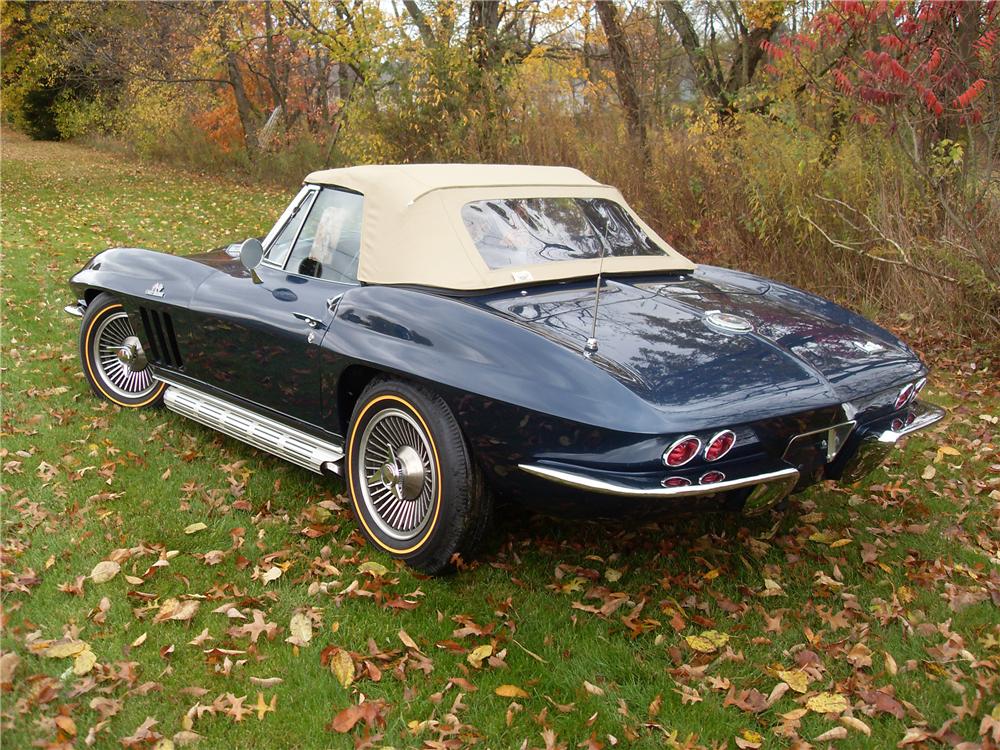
309, 320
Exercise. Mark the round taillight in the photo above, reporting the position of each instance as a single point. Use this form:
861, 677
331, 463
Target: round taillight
897, 424
711, 477
910, 418
676, 482
681, 451
720, 445
905, 395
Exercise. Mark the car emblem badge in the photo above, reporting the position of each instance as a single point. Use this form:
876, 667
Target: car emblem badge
156, 290
869, 347
727, 323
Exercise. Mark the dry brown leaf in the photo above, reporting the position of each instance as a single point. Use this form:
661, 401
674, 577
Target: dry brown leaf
837, 733
104, 571
174, 609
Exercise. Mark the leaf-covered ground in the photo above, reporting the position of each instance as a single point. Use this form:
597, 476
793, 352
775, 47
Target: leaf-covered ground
166, 586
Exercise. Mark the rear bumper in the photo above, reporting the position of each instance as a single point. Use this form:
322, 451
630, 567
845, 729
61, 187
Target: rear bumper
760, 485
76, 310
875, 443
766, 489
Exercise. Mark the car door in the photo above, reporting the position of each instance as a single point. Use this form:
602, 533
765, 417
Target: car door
261, 332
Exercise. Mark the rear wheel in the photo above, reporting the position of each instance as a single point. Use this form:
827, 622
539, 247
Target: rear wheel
415, 489
114, 362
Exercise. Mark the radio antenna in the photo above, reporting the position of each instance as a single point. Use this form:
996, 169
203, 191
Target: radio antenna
590, 347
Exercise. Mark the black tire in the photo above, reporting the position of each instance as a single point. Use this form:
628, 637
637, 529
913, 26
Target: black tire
416, 491
106, 327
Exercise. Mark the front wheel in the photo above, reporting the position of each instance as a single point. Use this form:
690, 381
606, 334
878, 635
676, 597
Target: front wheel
114, 362
415, 489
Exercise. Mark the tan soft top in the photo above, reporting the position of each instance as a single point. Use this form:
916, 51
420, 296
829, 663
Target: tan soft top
412, 229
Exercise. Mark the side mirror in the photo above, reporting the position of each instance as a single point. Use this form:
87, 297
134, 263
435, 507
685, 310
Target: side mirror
251, 253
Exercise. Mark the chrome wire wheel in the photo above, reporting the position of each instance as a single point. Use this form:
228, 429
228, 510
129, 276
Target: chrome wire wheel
400, 480
119, 358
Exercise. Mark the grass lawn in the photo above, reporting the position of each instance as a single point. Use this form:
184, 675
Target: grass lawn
870, 618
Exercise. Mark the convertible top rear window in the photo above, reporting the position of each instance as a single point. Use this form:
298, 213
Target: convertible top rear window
529, 231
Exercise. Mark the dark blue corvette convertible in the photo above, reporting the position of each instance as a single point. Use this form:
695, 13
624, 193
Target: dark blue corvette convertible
440, 333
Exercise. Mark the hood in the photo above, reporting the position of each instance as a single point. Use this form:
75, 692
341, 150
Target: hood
656, 336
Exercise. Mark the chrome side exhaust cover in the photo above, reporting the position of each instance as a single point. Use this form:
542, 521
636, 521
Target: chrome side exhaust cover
286, 442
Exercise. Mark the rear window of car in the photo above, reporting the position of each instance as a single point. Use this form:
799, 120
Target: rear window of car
530, 231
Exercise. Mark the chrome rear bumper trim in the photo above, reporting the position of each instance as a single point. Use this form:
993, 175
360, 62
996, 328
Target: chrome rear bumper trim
283, 441
590, 484
876, 447
76, 310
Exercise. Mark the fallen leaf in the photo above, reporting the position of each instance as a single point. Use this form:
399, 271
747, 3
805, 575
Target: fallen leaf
375, 569
140, 640
84, 662
195, 527
510, 691
104, 571
63, 648
856, 724
837, 733
476, 656
8, 666
708, 642
592, 688
929, 472
300, 628
342, 667
797, 679
827, 703
174, 609
262, 708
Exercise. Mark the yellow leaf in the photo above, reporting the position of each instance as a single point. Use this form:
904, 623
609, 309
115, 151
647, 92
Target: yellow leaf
797, 679
708, 642
376, 569
63, 648
475, 658
945, 450
929, 472
195, 527
823, 537
84, 662
139, 641
827, 703
510, 691
104, 571
840, 543
342, 666
613, 574
262, 708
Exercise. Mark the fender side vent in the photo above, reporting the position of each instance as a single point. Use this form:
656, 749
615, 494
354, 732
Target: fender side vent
159, 328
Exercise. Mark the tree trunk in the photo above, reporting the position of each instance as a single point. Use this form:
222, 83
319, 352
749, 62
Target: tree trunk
245, 108
624, 67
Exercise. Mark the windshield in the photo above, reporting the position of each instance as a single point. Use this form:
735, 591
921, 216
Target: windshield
529, 231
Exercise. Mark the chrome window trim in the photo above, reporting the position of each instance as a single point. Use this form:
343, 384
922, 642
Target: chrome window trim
284, 262
307, 193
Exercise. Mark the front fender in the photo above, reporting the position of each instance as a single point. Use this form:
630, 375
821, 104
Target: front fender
131, 272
